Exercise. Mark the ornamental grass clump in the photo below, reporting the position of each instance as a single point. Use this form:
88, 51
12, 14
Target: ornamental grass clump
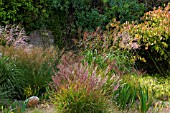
7, 85
73, 71
78, 88
78, 98
32, 69
125, 96
145, 100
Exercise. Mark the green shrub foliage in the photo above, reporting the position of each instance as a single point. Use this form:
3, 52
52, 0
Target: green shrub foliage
28, 12
124, 10
149, 4
68, 19
72, 17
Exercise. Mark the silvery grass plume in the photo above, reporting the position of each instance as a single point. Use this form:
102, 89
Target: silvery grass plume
14, 35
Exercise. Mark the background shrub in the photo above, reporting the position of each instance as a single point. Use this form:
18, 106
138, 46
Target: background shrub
69, 19
72, 18
32, 14
66, 19
124, 10
150, 4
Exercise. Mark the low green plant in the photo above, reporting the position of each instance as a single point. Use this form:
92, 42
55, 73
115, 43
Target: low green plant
159, 86
4, 110
95, 58
145, 99
2, 41
130, 93
124, 96
16, 107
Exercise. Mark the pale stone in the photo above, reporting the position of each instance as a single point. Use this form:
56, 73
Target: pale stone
0, 55
32, 101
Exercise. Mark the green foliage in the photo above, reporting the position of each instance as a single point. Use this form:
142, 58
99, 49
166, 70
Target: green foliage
145, 100
72, 17
150, 4
157, 85
31, 14
95, 58
117, 60
2, 41
124, 10
16, 107
82, 12
8, 74
130, 93
124, 96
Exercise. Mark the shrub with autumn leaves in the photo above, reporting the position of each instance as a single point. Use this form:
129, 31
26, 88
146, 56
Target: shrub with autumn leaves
148, 40
152, 38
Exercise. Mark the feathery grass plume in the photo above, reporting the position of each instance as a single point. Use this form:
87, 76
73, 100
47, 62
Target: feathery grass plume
72, 71
79, 87
13, 35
